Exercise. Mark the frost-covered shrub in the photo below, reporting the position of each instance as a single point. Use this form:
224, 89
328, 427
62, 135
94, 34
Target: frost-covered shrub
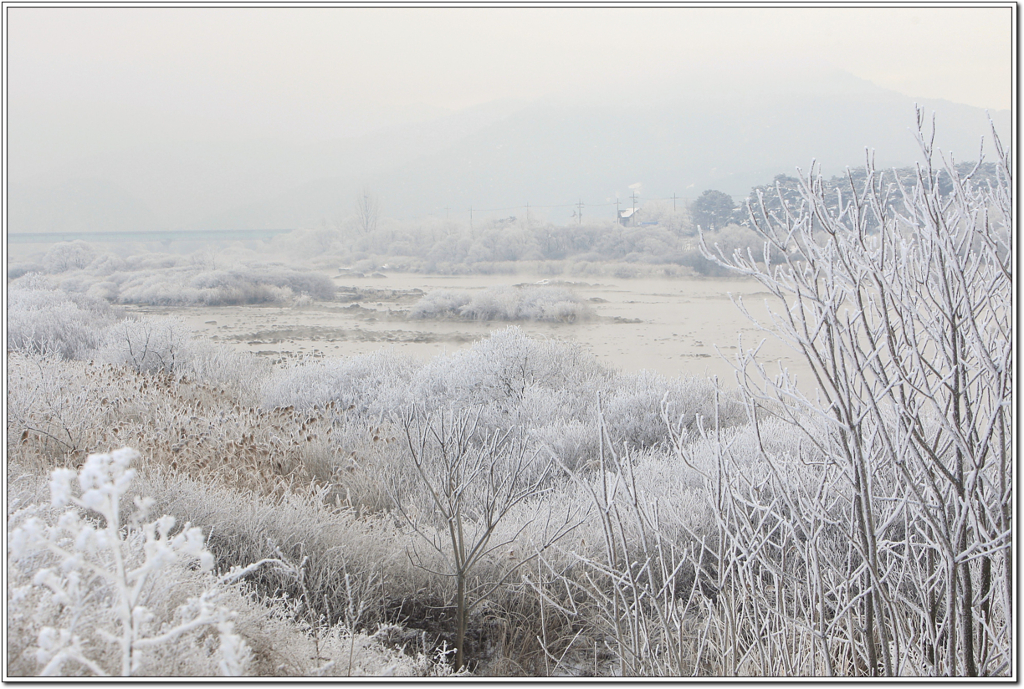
153, 261
106, 264
373, 383
107, 581
46, 320
896, 294
440, 303
503, 303
574, 443
147, 344
259, 283
65, 256
55, 405
636, 406
191, 286
500, 369
166, 344
498, 303
168, 280
21, 268
302, 301
511, 380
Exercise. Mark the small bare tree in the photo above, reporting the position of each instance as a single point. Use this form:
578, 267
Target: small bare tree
367, 210
472, 486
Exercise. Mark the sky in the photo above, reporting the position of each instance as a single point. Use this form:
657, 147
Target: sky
81, 79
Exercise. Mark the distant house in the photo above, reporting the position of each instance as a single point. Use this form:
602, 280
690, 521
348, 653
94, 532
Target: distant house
628, 216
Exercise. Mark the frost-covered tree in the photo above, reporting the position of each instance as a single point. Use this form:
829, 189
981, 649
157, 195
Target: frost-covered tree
474, 487
905, 319
367, 210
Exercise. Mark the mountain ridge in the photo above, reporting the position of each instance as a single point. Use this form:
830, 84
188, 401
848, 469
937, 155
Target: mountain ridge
552, 151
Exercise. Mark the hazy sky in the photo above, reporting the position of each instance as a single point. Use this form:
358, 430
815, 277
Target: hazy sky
83, 78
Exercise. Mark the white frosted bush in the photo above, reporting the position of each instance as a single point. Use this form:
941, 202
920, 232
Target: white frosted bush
54, 400
46, 320
103, 575
147, 343
242, 373
167, 280
634, 406
372, 382
440, 303
550, 304
573, 442
65, 256
512, 380
19, 269
503, 303
498, 303
881, 545
166, 344
501, 367
153, 261
107, 264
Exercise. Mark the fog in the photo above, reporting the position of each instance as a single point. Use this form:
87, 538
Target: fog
176, 118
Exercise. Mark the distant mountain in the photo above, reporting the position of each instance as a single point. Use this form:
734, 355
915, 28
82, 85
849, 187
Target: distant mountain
556, 155
552, 152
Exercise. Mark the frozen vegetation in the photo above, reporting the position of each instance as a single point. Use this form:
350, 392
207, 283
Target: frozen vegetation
514, 508
503, 303
278, 271
169, 279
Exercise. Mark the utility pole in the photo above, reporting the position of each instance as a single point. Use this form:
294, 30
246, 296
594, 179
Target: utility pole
673, 202
618, 213
527, 213
632, 217
470, 218
446, 212
579, 216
